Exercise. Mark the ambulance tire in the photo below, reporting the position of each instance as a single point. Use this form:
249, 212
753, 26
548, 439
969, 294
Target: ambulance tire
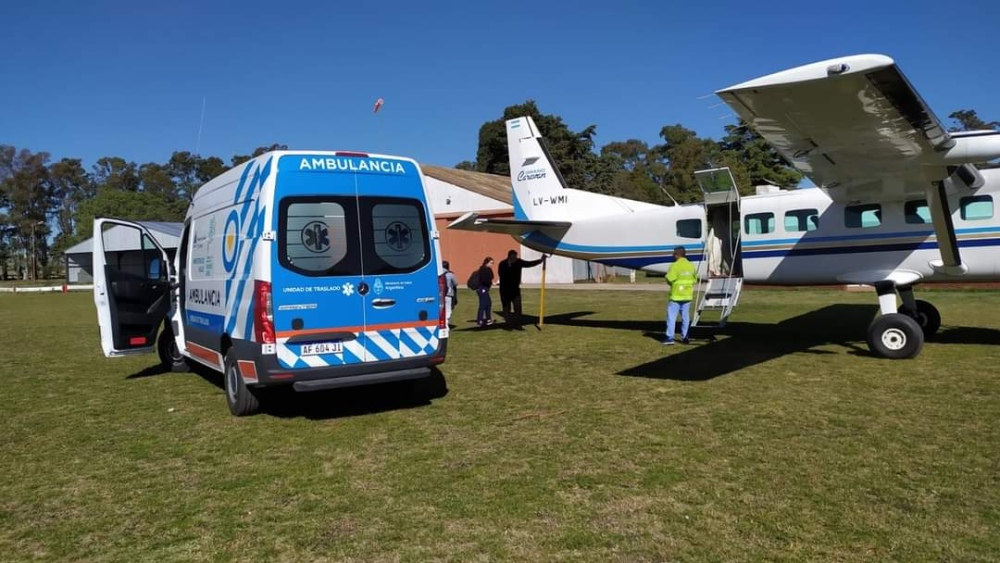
170, 356
241, 399
895, 336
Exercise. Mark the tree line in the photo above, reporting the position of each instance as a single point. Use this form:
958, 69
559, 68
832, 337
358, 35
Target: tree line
40, 198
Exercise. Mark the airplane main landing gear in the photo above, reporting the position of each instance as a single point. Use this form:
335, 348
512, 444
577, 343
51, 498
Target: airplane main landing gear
895, 336
926, 315
900, 335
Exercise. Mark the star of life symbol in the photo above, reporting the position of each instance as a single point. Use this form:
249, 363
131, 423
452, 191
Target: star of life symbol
348, 289
398, 236
316, 237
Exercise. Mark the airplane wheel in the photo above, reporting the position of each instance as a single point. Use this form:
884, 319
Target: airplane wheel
895, 336
241, 400
927, 316
170, 355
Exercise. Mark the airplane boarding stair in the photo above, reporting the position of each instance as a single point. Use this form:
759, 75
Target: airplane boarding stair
718, 298
721, 266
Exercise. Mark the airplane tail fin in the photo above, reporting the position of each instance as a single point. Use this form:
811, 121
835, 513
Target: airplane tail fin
540, 191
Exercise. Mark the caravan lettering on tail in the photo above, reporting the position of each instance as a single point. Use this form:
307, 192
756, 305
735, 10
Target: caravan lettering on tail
533, 174
333, 164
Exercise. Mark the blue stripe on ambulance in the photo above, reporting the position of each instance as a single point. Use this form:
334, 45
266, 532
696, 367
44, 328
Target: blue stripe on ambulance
246, 241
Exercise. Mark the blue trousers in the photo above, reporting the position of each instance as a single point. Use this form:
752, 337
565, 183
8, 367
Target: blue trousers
684, 308
485, 311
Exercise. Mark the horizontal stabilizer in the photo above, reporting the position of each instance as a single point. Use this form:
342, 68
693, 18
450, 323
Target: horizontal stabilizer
473, 222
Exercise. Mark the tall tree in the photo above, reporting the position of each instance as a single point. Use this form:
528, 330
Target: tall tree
637, 172
70, 185
682, 153
183, 167
158, 181
117, 174
753, 161
28, 198
135, 206
968, 120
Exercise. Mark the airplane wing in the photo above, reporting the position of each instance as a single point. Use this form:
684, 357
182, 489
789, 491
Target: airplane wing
856, 125
515, 227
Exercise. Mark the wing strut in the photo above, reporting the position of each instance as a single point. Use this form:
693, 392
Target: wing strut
951, 260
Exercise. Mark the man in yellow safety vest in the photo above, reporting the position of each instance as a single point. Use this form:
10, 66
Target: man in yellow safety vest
681, 276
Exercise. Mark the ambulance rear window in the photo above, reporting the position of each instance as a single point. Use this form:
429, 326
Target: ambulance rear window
399, 235
342, 235
315, 238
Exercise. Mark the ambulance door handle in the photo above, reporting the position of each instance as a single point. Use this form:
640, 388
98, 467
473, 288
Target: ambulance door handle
383, 303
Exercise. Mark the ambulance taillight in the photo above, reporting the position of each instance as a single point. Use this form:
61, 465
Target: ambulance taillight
443, 310
263, 317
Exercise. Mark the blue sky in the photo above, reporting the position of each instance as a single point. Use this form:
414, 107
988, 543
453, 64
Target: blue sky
126, 78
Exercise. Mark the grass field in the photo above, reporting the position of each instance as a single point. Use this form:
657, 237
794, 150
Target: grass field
585, 441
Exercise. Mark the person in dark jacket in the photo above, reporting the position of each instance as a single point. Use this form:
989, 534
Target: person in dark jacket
509, 272
484, 317
451, 290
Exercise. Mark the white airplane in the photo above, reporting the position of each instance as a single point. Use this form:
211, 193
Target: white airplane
899, 204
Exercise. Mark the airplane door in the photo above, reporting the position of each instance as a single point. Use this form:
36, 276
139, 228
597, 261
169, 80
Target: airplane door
722, 211
132, 275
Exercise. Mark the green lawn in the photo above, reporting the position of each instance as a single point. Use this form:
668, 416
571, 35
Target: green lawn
585, 441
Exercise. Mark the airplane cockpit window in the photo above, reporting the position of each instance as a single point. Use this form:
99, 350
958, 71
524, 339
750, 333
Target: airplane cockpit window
976, 208
689, 228
801, 220
758, 223
917, 212
863, 216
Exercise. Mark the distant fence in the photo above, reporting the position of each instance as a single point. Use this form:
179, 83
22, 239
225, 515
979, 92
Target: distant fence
65, 288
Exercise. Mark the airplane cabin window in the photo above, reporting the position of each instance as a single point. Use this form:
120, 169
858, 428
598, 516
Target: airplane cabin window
758, 223
917, 212
689, 228
863, 216
801, 220
976, 208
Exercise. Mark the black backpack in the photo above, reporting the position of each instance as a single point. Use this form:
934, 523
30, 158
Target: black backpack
473, 282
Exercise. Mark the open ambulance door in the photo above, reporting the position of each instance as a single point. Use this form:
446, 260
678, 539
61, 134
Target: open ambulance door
132, 274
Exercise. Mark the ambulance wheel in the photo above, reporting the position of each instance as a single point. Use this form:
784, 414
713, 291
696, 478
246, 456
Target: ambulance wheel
927, 316
241, 400
170, 355
895, 336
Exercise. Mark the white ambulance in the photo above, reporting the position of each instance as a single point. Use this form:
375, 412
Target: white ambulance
312, 269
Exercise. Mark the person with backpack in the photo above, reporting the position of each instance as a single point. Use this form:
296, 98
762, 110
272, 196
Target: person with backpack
483, 280
451, 291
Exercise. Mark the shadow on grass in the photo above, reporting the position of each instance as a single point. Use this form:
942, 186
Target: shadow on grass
157, 369
755, 343
285, 402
